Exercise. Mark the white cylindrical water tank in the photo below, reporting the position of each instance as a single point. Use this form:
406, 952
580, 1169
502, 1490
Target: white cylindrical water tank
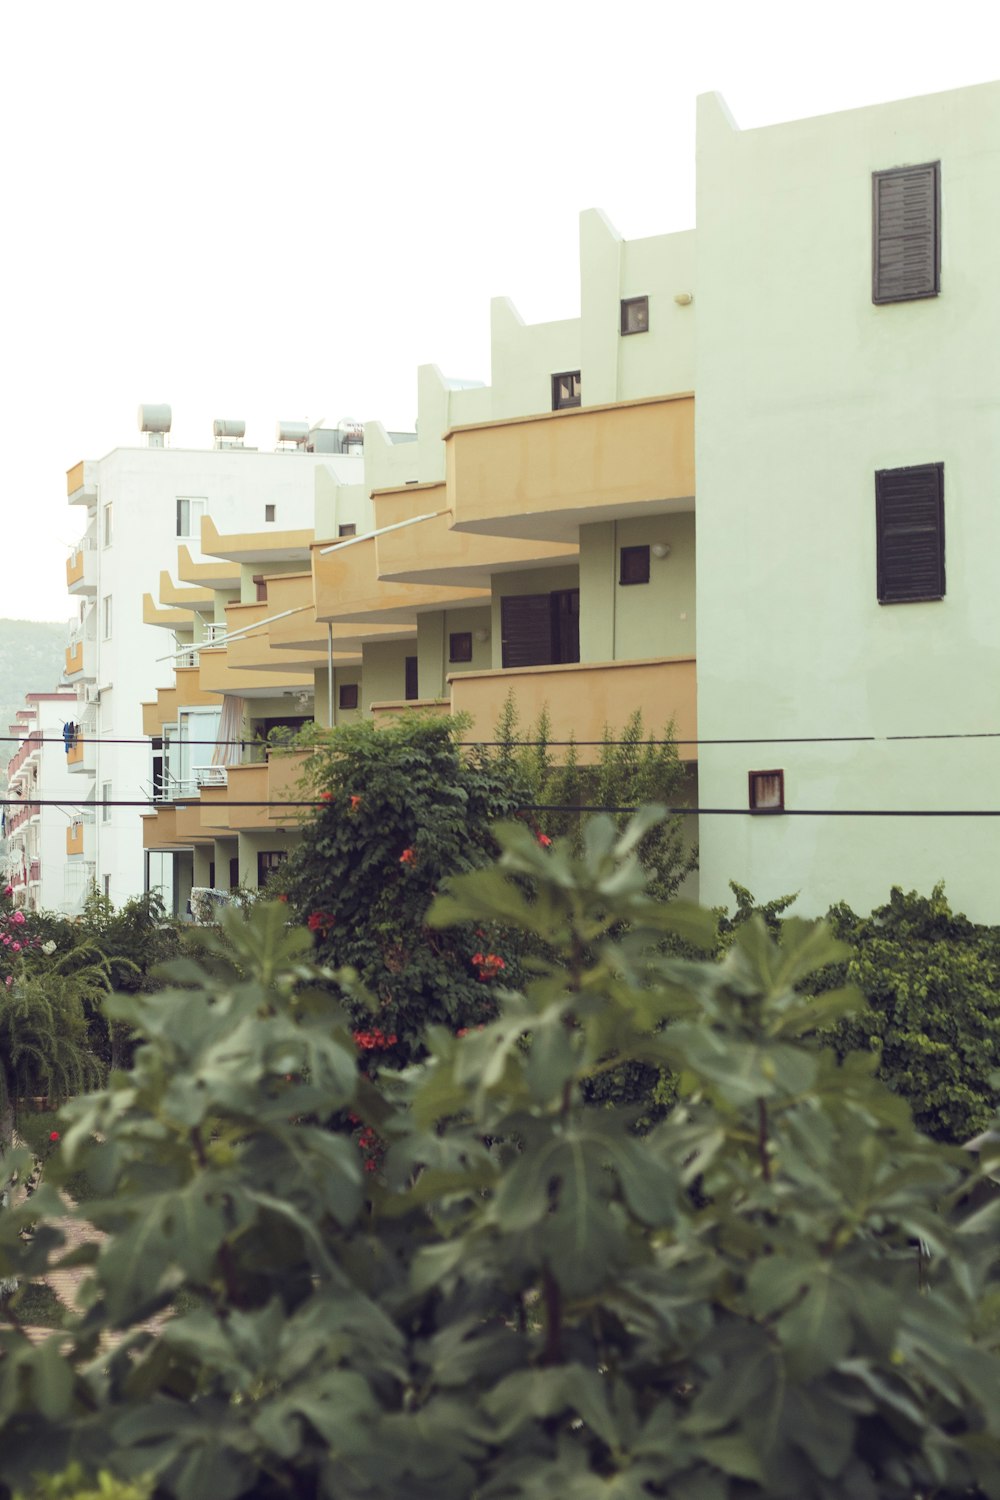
293, 432
228, 427
154, 418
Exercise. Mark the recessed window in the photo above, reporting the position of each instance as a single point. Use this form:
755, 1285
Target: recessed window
270, 511
107, 526
909, 519
348, 529
565, 390
767, 791
410, 691
460, 645
190, 509
635, 315
106, 617
906, 233
260, 584
347, 696
633, 565
106, 801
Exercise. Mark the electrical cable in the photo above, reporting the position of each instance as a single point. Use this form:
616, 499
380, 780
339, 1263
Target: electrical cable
784, 739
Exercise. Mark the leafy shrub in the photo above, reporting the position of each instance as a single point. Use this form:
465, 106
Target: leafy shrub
525, 1300
400, 808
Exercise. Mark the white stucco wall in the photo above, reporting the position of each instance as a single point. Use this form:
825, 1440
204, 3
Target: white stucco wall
804, 390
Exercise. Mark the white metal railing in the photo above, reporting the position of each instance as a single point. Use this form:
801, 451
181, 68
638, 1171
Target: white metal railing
188, 659
171, 787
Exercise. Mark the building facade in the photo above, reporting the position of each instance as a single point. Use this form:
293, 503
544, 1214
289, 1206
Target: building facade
43, 825
814, 618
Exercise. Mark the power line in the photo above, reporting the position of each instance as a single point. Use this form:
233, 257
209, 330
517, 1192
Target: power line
185, 803
802, 739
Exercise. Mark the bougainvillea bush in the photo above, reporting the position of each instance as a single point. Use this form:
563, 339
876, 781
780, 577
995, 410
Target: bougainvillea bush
782, 1292
397, 810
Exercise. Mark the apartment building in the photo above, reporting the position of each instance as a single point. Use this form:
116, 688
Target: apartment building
822, 348
42, 823
142, 511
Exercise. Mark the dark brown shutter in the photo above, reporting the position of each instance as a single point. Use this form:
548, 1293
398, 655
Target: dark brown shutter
909, 511
526, 630
906, 250
410, 689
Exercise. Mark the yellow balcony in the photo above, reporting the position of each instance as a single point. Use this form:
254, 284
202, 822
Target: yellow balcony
74, 659
187, 692
74, 568
544, 476
75, 754
81, 486
432, 551
74, 839
383, 712
159, 829
265, 785
583, 698
348, 587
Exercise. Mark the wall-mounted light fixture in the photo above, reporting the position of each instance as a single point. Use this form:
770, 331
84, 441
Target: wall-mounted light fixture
481, 635
660, 549
683, 299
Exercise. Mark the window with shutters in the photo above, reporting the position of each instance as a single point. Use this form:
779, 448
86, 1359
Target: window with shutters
460, 645
906, 248
909, 519
540, 630
633, 565
347, 695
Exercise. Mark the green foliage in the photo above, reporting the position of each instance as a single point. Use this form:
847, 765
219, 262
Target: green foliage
36, 1306
631, 770
73, 1484
45, 1043
398, 809
931, 981
525, 1300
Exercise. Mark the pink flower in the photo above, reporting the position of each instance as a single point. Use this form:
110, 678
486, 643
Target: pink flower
17, 917
16, 947
8, 890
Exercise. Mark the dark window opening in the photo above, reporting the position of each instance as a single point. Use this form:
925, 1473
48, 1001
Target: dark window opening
565, 390
906, 233
539, 630
460, 645
633, 565
260, 584
410, 682
211, 874
348, 529
635, 315
234, 872
347, 695
268, 861
767, 791
269, 512
909, 519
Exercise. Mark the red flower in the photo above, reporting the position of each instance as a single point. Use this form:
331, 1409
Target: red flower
53, 1135
326, 796
488, 964
355, 802
282, 897
408, 857
544, 840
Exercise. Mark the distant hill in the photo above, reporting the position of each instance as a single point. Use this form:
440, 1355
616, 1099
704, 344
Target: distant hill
32, 659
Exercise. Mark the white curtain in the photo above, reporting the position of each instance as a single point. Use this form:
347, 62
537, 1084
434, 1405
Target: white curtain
228, 750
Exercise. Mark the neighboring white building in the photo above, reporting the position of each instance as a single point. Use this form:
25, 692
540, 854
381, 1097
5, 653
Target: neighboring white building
40, 835
848, 511
138, 505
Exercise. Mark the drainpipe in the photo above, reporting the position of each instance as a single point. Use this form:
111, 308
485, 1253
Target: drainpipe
329, 674
614, 589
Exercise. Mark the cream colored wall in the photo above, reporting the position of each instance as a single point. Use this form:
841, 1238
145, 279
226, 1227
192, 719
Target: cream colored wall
340, 505
252, 844
530, 581
248, 589
659, 362
344, 677
383, 675
626, 622
433, 631
805, 389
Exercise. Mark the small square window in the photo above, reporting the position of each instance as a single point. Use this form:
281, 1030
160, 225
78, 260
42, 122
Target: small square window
348, 529
634, 565
635, 315
269, 512
460, 645
347, 696
767, 791
565, 390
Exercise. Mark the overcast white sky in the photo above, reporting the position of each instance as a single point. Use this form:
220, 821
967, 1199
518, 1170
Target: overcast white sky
266, 211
